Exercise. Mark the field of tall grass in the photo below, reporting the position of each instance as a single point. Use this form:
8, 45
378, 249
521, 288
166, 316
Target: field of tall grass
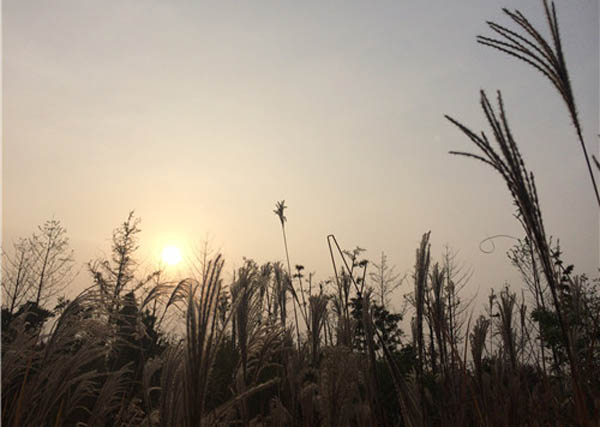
271, 347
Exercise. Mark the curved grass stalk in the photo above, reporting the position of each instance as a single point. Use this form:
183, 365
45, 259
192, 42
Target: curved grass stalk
279, 211
509, 163
545, 56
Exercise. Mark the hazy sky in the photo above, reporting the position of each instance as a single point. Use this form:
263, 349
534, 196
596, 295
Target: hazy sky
200, 116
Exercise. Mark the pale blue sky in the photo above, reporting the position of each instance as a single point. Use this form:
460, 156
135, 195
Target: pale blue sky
200, 116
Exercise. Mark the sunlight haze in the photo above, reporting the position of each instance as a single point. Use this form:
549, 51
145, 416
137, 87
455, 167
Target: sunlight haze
201, 116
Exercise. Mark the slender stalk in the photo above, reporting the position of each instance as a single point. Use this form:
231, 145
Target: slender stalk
509, 163
279, 211
545, 56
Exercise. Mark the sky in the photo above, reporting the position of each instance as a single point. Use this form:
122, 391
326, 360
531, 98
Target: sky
200, 116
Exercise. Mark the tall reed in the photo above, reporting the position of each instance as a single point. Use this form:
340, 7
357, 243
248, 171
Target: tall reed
509, 163
202, 342
545, 56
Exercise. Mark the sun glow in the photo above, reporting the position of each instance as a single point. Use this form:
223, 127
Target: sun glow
171, 255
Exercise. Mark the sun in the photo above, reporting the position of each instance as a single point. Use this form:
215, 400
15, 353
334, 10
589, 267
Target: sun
171, 255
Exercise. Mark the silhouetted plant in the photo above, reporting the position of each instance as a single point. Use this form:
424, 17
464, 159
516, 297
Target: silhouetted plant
279, 211
385, 280
106, 360
17, 276
546, 56
509, 163
385, 322
202, 342
113, 278
477, 339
